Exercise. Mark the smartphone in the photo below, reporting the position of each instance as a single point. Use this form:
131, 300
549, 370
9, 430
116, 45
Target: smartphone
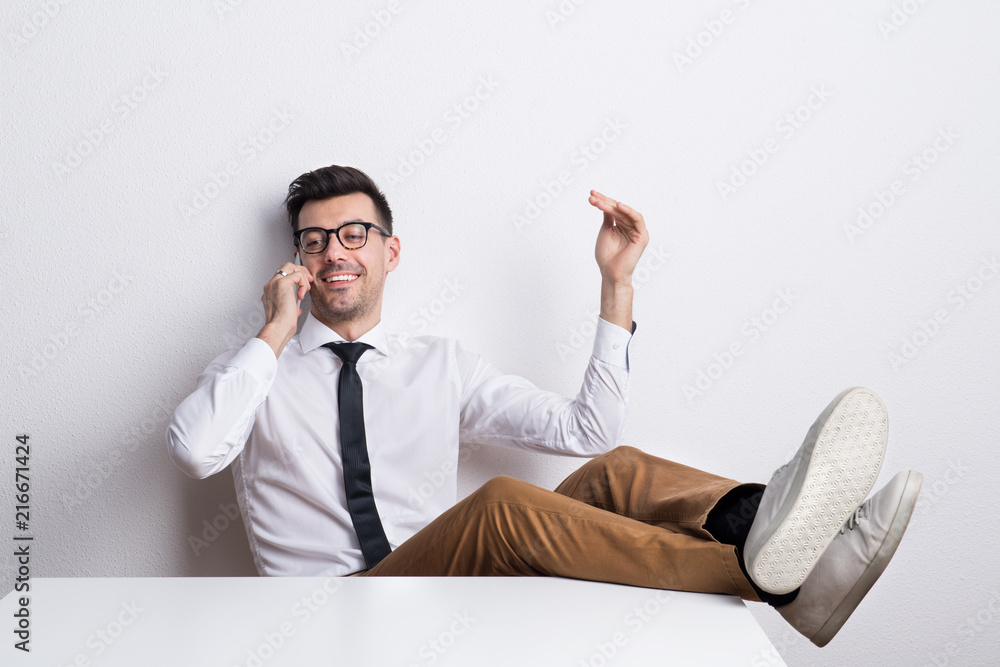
298, 260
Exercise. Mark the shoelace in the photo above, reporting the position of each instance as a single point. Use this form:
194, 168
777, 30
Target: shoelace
863, 512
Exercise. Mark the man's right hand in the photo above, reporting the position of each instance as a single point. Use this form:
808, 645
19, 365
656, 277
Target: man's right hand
281, 309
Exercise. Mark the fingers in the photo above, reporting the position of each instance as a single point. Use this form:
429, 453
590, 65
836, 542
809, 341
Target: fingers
288, 268
296, 276
597, 198
282, 292
621, 213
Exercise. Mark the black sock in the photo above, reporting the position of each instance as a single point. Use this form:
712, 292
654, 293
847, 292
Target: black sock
729, 522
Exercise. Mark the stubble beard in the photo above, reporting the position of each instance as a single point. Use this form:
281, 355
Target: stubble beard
326, 310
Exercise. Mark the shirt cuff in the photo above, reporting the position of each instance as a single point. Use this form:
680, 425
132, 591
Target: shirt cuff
256, 358
611, 343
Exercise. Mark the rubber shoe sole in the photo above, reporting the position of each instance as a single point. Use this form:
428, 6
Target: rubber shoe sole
843, 454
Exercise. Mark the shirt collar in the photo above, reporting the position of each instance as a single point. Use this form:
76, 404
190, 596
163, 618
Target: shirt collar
315, 334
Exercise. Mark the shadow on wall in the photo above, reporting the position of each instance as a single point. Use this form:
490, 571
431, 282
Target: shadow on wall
215, 538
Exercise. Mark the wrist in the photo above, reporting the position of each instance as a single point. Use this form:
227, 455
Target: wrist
277, 334
616, 302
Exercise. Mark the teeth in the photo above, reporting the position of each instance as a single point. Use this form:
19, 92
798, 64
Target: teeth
339, 279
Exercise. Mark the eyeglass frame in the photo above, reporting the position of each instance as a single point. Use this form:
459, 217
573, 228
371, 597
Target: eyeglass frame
336, 232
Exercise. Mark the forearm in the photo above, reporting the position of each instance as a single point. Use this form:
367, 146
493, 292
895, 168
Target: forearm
509, 411
543, 421
616, 303
209, 428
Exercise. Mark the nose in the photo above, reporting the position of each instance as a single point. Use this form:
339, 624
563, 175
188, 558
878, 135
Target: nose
335, 251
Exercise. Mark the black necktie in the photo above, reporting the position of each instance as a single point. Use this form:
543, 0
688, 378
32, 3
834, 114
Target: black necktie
354, 452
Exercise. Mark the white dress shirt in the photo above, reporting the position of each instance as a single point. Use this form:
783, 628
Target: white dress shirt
277, 422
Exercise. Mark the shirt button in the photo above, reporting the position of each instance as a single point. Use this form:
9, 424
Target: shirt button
617, 346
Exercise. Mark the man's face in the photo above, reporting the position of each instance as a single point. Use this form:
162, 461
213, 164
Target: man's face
349, 283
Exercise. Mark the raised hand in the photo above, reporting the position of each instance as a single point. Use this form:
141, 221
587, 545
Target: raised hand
620, 241
282, 293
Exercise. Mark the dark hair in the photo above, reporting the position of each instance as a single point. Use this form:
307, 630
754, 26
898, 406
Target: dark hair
334, 181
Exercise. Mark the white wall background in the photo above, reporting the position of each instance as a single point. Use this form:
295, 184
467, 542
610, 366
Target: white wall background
129, 262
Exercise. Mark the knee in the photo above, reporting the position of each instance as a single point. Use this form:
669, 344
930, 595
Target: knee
624, 456
498, 489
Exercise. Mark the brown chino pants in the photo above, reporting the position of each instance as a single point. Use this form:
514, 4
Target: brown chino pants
624, 517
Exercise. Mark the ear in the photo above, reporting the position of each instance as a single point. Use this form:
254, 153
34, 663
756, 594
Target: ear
392, 249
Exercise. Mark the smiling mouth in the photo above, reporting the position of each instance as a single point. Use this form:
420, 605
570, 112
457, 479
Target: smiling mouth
340, 279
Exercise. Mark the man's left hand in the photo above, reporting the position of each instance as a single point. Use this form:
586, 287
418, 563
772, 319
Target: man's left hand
620, 242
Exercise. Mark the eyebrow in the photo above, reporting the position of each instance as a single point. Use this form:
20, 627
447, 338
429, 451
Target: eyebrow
344, 222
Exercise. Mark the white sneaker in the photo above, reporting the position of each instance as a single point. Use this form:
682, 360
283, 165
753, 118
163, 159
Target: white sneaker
854, 561
809, 498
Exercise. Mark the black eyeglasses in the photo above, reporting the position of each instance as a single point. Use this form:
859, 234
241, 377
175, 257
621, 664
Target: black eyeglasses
352, 236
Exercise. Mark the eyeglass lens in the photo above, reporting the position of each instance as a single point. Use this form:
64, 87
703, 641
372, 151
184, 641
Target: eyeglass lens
353, 236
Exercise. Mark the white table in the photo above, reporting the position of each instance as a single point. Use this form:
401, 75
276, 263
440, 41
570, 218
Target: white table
380, 622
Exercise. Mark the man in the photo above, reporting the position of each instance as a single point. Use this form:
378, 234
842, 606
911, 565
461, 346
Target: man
361, 479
